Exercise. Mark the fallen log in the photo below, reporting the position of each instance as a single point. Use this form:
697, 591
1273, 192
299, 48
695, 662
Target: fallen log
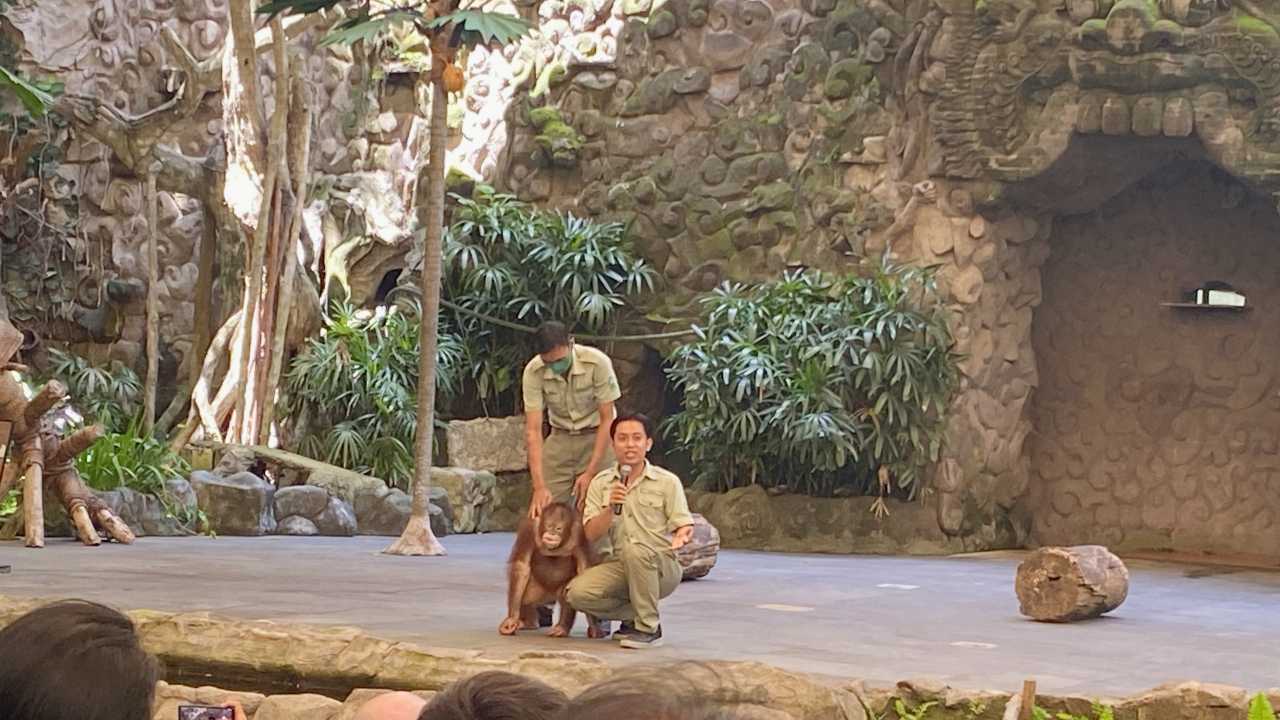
1066, 584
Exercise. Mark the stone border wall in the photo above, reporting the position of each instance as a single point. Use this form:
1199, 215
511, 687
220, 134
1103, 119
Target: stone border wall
750, 518
330, 662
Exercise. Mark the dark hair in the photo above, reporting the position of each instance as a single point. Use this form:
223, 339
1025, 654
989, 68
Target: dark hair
496, 695
632, 417
686, 691
75, 660
549, 336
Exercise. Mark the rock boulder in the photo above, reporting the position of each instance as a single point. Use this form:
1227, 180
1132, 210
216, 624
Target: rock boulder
305, 500
297, 525
337, 518
492, 444
239, 504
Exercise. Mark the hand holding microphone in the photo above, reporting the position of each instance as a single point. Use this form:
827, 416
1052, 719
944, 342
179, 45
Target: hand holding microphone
625, 470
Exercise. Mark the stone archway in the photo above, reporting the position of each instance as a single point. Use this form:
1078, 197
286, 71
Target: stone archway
1154, 427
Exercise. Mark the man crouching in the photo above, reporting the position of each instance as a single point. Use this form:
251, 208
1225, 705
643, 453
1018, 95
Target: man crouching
637, 516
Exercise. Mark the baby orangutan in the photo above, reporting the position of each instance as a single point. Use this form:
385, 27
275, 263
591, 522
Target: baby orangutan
548, 553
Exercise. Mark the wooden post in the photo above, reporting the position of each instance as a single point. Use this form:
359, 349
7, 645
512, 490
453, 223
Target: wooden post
33, 494
1028, 700
153, 307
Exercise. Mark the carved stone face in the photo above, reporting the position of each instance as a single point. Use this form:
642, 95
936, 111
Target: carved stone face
1035, 74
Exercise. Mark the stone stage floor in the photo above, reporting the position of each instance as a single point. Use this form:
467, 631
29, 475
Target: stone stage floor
881, 619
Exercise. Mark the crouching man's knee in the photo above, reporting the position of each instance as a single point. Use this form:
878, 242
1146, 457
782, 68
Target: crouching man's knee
574, 593
637, 555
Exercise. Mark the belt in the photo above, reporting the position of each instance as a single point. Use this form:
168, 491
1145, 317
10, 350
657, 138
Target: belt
583, 431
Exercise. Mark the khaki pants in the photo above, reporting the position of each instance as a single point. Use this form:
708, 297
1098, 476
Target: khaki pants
627, 586
565, 457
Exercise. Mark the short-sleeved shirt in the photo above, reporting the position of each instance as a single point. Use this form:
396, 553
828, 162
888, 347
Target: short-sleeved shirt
655, 507
571, 403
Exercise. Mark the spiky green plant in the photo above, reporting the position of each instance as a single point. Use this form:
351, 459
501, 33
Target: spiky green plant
352, 391
507, 259
818, 381
1259, 708
109, 394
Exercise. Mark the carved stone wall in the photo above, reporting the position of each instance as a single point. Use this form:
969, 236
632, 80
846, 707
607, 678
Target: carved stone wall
364, 161
742, 137
1155, 427
737, 136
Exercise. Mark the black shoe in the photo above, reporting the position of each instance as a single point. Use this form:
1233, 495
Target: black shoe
639, 640
545, 617
625, 631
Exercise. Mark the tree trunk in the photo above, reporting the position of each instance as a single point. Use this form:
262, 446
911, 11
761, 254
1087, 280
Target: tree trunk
1065, 584
153, 309
300, 152
418, 539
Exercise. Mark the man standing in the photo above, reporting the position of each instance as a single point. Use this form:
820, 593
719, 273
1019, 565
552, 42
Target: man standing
576, 387
639, 518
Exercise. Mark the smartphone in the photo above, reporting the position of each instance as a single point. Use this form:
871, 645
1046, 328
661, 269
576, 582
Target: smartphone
205, 712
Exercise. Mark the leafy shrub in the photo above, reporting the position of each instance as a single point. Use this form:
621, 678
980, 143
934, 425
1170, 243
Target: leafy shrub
131, 458
109, 394
817, 382
509, 260
1259, 708
9, 504
352, 392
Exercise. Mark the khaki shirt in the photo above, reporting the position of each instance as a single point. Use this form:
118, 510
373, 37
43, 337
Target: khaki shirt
572, 404
655, 507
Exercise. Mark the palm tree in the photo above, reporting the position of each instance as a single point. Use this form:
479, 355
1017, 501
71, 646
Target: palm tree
447, 29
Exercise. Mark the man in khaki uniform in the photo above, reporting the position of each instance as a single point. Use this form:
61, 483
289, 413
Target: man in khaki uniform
575, 386
637, 522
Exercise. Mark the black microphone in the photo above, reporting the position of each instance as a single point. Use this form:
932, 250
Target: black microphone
626, 474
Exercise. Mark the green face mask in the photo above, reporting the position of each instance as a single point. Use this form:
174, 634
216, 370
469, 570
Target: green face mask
561, 366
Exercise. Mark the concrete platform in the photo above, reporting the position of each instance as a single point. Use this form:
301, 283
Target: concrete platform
881, 619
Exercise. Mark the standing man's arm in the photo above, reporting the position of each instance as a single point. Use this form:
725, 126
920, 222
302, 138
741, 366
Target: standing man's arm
531, 385
607, 413
604, 383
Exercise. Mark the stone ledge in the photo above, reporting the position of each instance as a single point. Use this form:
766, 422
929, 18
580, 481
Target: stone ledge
316, 665
751, 519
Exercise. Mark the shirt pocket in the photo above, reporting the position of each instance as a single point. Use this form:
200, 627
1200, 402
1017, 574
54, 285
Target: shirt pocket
583, 398
650, 510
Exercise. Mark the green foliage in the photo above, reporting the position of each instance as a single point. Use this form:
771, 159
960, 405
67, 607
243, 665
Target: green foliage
1259, 708
9, 504
131, 458
473, 28
353, 390
1098, 712
818, 382
918, 713
36, 97
467, 28
107, 394
506, 259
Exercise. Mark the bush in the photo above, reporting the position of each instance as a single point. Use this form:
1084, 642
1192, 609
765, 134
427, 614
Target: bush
818, 383
352, 392
508, 260
110, 394
131, 458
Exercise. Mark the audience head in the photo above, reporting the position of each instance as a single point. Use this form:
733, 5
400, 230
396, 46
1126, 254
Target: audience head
75, 660
391, 706
670, 693
496, 695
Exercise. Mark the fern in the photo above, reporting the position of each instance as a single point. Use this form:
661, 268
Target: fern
918, 713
